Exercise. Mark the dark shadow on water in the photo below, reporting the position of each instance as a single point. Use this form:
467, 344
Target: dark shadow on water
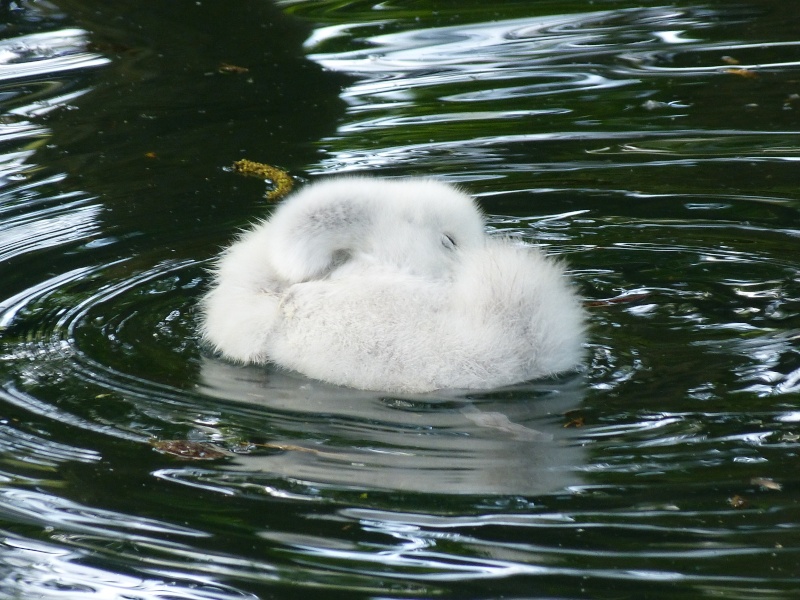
191, 87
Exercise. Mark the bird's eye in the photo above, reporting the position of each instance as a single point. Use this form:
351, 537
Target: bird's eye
448, 241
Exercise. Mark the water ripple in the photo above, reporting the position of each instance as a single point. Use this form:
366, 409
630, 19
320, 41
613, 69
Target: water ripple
32, 568
86, 324
433, 93
55, 225
47, 53
588, 133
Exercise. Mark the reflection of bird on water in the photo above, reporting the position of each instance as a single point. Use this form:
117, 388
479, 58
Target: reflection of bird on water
391, 285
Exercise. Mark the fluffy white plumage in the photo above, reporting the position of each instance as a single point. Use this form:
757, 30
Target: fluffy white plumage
391, 285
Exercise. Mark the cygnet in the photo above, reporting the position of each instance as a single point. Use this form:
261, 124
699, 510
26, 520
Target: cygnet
391, 285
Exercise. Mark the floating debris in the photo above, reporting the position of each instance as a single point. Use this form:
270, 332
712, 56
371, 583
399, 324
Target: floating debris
293, 448
188, 450
624, 298
766, 483
232, 69
282, 182
654, 105
576, 422
658, 105
573, 418
738, 501
746, 73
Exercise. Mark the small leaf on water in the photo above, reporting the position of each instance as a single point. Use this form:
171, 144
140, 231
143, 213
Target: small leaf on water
188, 450
234, 69
575, 422
746, 73
766, 483
738, 501
621, 299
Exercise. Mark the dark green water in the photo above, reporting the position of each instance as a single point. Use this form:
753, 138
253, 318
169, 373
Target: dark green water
656, 147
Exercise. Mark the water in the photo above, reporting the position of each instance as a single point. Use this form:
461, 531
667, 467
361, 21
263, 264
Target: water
654, 146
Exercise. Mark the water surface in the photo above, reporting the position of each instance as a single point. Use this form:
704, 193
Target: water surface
654, 147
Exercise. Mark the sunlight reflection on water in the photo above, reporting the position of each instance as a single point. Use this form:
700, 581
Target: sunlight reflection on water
481, 72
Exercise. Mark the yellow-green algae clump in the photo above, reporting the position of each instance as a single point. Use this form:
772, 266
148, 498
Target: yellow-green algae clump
281, 181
